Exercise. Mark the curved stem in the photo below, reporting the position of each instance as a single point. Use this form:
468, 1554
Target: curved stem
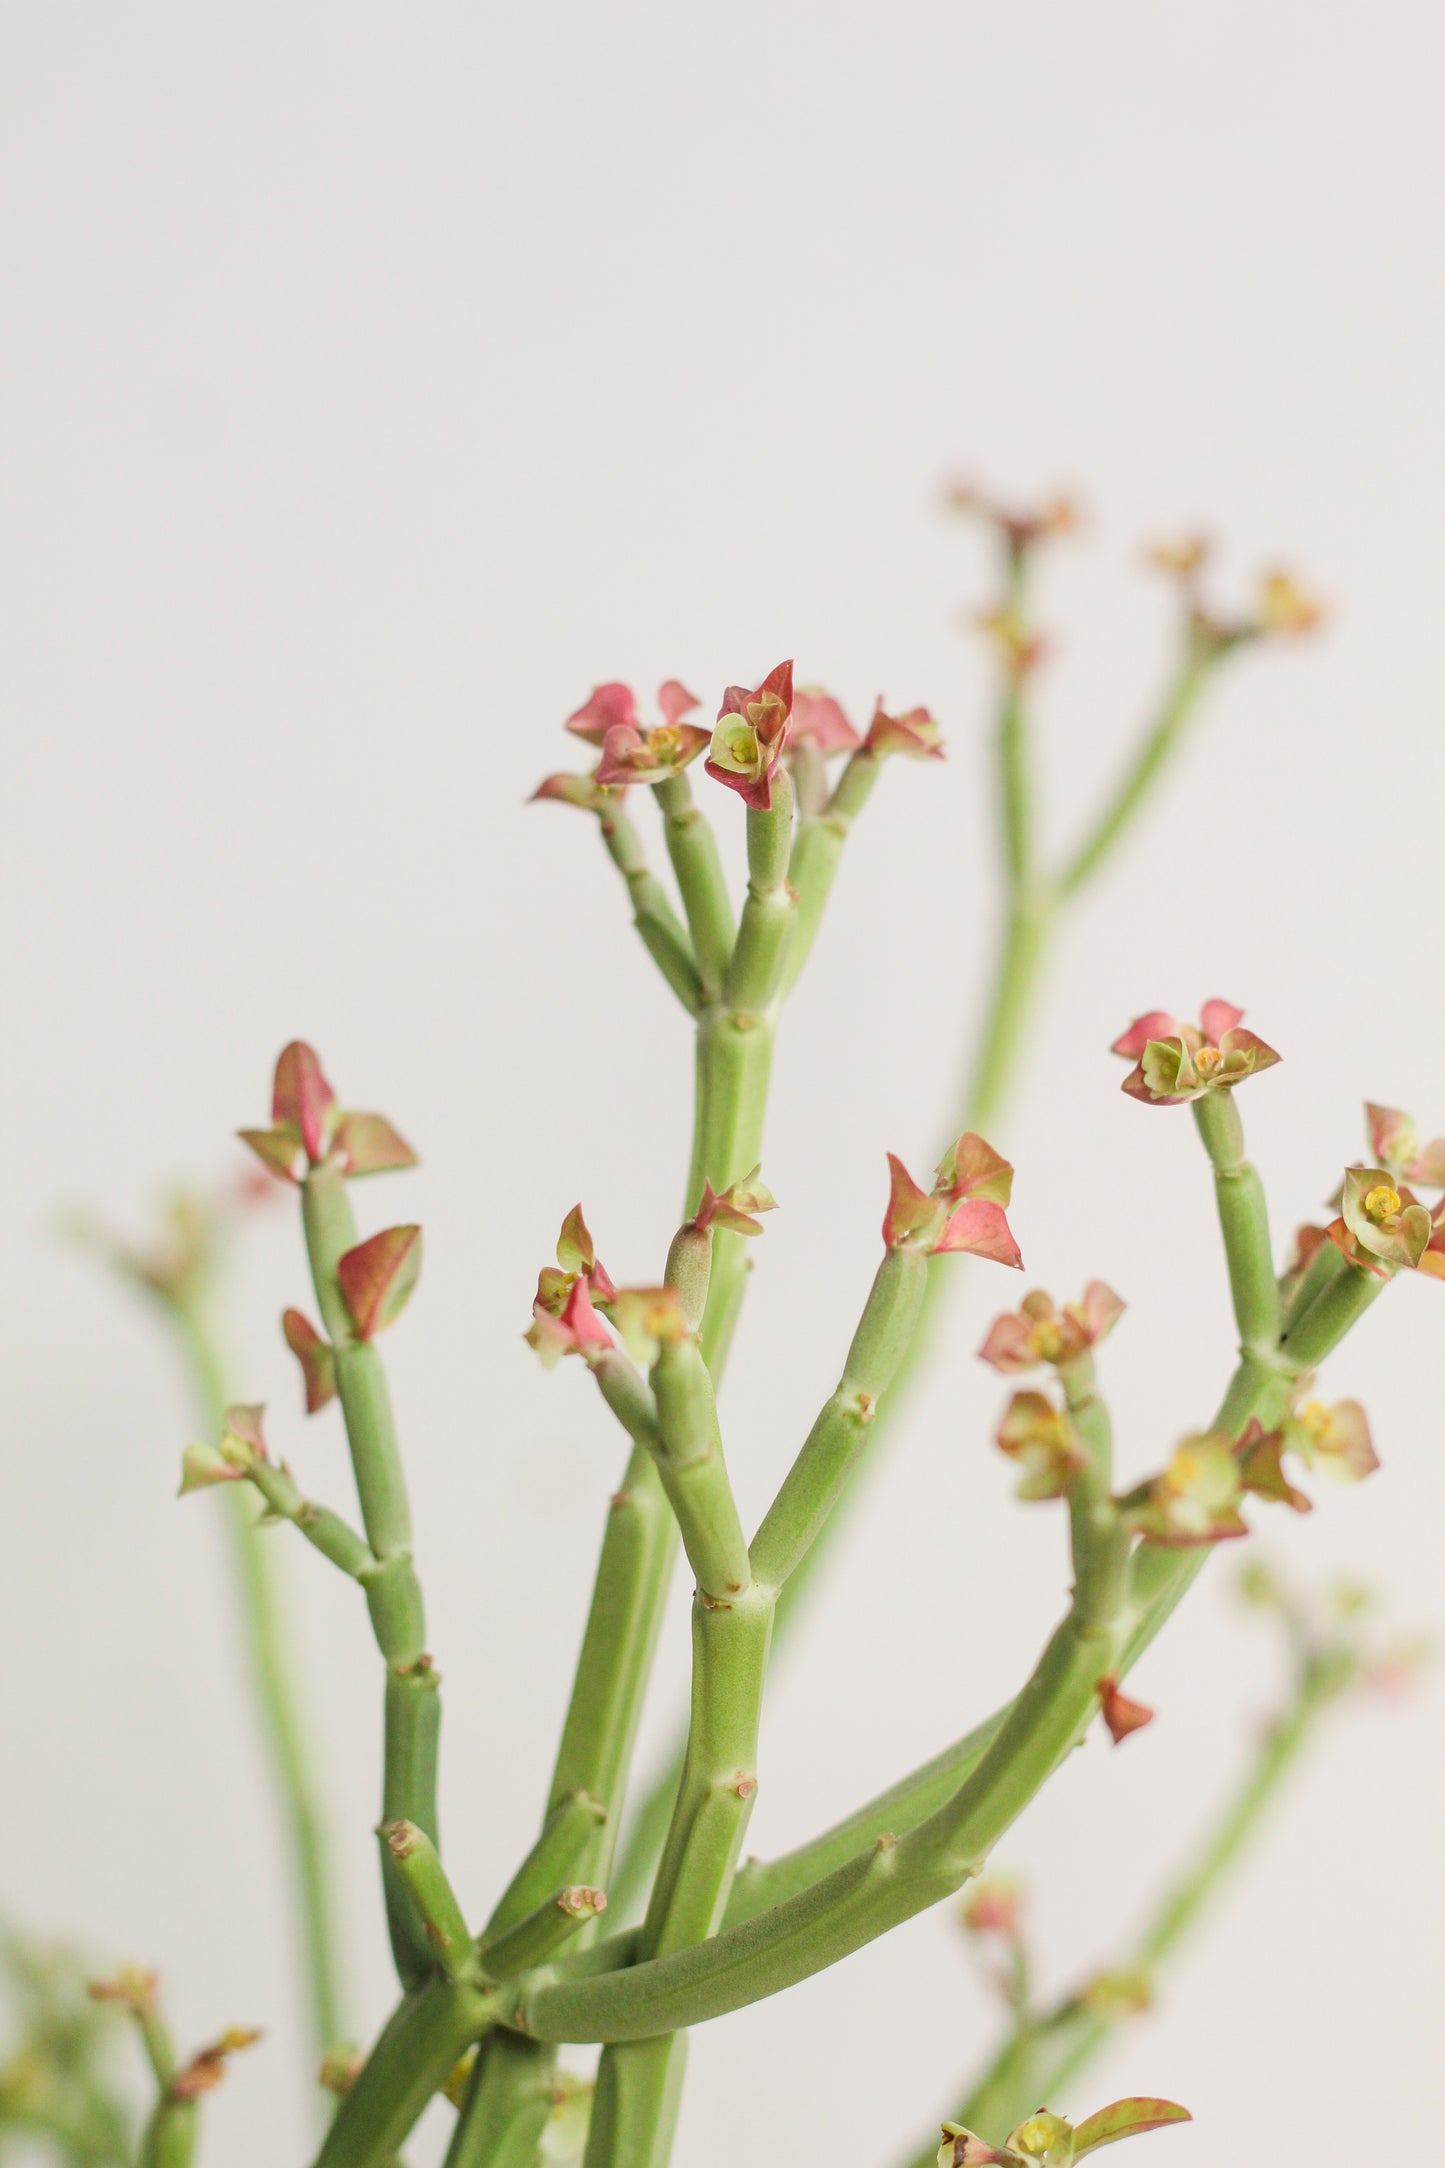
1046, 2050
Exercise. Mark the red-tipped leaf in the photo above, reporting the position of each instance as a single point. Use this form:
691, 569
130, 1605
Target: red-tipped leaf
1126, 2119
369, 1145
377, 1278
315, 1355
302, 1098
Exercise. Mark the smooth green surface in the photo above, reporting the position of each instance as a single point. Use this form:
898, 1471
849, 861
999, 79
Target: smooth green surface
412, 1703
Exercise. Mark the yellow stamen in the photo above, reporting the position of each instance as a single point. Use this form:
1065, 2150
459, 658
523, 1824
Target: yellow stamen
1207, 1060
1382, 1203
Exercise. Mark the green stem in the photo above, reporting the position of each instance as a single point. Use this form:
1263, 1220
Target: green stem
270, 1655
540, 1933
1157, 748
442, 1919
507, 2104
762, 1884
589, 1779
1243, 1222
875, 1891
417, 2051
1015, 784
1328, 1262
755, 970
173, 2126
829, 1456
639, 2081
1045, 2052
817, 850
692, 848
878, 1888
665, 939
322, 1528
1022, 950
412, 1703
735, 1058
169, 2139
572, 1835
694, 1473
633, 1574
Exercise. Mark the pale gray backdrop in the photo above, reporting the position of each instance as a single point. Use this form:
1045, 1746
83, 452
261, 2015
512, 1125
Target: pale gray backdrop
375, 379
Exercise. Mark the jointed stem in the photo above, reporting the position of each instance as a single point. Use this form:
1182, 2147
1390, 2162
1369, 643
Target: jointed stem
412, 1708
665, 940
880, 1887
693, 850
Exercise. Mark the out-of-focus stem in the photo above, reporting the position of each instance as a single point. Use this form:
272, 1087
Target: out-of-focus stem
1047, 2049
1151, 756
271, 1658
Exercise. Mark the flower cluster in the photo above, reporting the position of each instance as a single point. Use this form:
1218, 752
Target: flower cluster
1044, 1443
963, 1211
1174, 1062
1382, 1226
1197, 1497
737, 1207
1036, 1333
1284, 608
242, 1445
751, 735
633, 752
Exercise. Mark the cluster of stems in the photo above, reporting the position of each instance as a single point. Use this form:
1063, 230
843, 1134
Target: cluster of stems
628, 1949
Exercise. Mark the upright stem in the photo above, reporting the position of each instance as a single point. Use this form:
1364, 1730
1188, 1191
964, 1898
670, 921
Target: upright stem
505, 2109
412, 1706
817, 850
1244, 1224
666, 941
639, 2082
1022, 950
171, 2131
271, 1656
692, 848
584, 1803
417, 2051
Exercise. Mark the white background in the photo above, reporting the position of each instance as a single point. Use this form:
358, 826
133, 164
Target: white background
377, 378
